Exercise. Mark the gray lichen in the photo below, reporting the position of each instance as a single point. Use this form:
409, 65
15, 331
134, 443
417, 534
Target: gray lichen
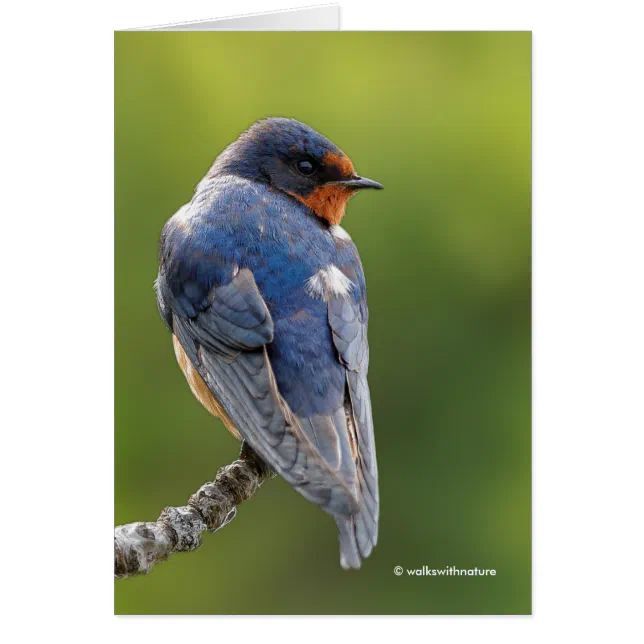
139, 546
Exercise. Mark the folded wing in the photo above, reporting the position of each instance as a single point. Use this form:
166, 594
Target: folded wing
224, 331
358, 533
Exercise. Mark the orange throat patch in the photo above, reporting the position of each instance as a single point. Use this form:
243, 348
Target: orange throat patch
328, 202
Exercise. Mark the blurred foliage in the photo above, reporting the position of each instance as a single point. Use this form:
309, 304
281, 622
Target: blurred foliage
443, 121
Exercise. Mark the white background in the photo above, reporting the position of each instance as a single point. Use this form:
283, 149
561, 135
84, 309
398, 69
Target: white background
56, 269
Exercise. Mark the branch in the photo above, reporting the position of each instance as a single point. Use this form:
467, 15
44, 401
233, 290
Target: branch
138, 546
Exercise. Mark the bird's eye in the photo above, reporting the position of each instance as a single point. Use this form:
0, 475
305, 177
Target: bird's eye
306, 168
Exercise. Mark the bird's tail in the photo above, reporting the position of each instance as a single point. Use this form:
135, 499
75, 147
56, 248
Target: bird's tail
356, 542
358, 534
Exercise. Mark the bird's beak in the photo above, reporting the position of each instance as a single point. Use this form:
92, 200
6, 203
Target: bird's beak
357, 183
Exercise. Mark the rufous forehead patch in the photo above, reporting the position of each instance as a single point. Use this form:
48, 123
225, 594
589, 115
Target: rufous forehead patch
340, 161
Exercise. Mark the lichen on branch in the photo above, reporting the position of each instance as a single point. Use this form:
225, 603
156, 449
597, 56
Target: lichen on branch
139, 546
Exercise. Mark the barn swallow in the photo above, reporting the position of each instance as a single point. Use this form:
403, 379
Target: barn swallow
265, 296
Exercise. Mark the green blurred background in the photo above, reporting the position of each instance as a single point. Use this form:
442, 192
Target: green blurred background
443, 121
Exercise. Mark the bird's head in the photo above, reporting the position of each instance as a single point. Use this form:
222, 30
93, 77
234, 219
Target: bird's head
297, 160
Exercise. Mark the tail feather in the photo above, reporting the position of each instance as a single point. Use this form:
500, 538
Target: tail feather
357, 536
349, 549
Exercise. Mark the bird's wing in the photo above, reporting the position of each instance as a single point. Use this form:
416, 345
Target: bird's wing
224, 331
358, 533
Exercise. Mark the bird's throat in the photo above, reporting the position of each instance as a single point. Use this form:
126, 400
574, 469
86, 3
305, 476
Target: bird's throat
328, 202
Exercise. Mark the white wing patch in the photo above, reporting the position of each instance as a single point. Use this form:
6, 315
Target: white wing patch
328, 283
339, 233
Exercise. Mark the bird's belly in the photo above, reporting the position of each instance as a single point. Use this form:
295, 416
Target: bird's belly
200, 389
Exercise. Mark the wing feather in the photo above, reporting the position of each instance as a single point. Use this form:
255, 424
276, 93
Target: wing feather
226, 343
358, 533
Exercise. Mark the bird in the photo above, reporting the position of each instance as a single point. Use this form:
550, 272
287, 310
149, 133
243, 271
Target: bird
265, 296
